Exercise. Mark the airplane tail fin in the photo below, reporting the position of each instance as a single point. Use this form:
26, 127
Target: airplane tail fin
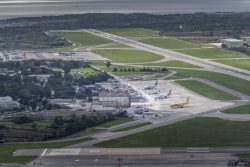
156, 83
170, 92
188, 100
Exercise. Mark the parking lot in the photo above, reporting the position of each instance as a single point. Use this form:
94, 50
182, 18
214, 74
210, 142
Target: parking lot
80, 56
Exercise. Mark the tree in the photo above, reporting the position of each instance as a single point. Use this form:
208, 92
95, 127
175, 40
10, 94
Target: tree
66, 69
108, 64
115, 69
34, 127
22, 120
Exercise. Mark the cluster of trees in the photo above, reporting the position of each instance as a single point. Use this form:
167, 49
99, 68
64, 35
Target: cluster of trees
86, 93
33, 67
59, 127
29, 32
22, 120
65, 127
24, 89
32, 93
2, 127
148, 69
123, 69
144, 69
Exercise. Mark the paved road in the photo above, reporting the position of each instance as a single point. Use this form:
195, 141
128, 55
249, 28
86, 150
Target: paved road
126, 151
166, 160
232, 117
213, 66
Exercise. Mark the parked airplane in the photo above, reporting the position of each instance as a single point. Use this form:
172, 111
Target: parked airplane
150, 87
162, 97
153, 92
180, 104
170, 92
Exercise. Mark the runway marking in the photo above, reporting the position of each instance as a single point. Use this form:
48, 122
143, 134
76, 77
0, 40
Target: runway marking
95, 151
198, 150
44, 151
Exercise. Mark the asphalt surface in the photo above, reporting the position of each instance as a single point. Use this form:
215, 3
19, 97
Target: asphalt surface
232, 117
166, 160
213, 66
126, 151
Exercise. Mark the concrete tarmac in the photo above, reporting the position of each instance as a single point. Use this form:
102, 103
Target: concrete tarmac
166, 160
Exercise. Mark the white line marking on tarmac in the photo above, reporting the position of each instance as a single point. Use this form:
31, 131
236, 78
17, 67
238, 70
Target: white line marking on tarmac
199, 150
45, 150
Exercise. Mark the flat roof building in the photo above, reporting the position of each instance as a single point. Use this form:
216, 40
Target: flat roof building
232, 43
116, 98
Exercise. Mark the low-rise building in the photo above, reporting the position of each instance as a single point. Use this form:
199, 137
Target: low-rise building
42, 77
115, 98
232, 43
7, 103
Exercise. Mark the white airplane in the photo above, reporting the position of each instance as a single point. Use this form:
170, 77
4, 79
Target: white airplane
153, 92
150, 87
162, 97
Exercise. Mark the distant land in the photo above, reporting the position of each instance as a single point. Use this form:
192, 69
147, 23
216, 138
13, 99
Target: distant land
24, 8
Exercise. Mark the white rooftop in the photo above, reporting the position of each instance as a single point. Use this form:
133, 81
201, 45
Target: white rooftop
232, 40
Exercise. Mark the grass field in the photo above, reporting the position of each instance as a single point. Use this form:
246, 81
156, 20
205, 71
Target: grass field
243, 155
196, 132
40, 124
119, 72
245, 109
6, 150
219, 78
87, 71
212, 53
244, 64
115, 122
133, 127
169, 43
117, 45
83, 38
62, 49
174, 63
132, 32
128, 56
206, 90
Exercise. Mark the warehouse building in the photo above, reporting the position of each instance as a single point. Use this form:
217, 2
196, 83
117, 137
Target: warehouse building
232, 43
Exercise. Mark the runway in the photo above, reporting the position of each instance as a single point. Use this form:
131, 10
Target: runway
212, 66
166, 160
127, 151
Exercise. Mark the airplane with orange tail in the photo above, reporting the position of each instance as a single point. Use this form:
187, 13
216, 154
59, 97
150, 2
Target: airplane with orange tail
180, 104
